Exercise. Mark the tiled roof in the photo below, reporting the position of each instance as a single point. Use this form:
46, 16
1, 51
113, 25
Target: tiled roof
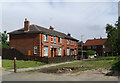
39, 29
95, 42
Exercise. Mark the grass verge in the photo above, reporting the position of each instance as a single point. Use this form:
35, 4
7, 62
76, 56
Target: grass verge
9, 64
102, 62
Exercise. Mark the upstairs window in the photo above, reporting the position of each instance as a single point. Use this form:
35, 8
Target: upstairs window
35, 49
72, 43
75, 43
51, 38
59, 40
54, 39
88, 47
45, 37
67, 42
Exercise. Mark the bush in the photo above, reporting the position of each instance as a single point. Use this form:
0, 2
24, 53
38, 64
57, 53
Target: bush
5, 46
90, 52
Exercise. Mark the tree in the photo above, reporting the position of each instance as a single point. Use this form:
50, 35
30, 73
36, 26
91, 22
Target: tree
90, 52
4, 37
113, 34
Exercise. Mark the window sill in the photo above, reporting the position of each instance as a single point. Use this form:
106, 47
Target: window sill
52, 42
46, 41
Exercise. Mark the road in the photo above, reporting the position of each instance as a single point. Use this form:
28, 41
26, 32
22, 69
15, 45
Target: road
90, 75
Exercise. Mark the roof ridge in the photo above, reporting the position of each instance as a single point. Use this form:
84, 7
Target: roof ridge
15, 30
36, 27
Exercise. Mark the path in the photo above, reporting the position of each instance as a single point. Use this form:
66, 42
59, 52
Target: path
39, 67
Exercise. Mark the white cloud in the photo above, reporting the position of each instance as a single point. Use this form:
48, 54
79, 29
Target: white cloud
86, 18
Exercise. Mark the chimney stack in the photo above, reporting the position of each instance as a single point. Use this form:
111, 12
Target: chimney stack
51, 28
69, 34
100, 37
26, 25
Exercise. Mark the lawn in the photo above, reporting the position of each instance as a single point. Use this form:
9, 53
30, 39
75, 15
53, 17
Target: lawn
102, 62
9, 64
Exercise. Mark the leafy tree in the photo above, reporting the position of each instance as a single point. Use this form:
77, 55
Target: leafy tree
113, 34
4, 37
90, 52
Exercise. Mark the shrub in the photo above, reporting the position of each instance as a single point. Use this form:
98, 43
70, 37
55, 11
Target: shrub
90, 52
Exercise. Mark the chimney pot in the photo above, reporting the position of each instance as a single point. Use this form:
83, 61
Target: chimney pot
26, 25
51, 28
25, 19
100, 37
69, 34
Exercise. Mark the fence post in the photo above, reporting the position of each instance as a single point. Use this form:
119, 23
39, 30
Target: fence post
15, 64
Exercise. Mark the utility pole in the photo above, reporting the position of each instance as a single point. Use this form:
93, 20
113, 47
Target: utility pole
82, 47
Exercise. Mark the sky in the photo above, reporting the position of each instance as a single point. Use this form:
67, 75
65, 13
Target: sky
77, 18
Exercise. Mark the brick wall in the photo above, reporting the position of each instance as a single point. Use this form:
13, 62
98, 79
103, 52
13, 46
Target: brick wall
26, 42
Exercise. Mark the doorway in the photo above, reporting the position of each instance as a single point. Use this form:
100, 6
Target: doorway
53, 52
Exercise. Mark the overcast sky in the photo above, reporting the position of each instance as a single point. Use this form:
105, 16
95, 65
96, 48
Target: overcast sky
77, 18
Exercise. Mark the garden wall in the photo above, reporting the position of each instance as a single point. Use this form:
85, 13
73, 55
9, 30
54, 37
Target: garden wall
11, 53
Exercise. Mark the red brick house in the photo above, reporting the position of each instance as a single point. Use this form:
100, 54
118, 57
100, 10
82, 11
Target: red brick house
98, 45
35, 40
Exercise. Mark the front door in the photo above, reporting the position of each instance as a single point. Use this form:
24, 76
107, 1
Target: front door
64, 53
54, 51
51, 52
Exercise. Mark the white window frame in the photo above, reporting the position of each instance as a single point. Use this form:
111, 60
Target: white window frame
75, 43
59, 51
45, 49
35, 49
75, 51
45, 37
67, 42
68, 51
54, 39
72, 42
103, 46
